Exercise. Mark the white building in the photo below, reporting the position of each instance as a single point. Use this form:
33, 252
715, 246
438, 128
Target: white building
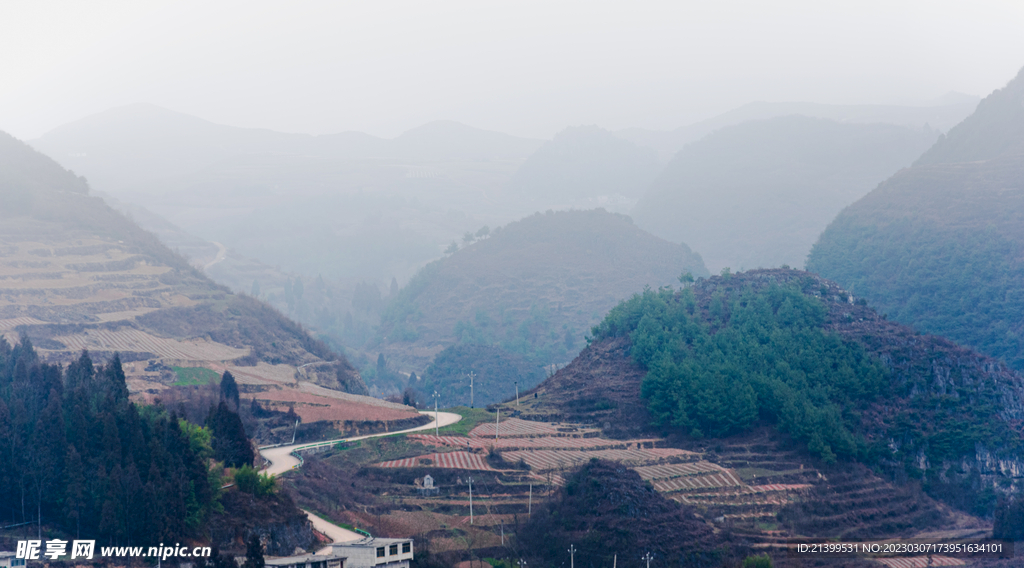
8, 560
329, 560
371, 552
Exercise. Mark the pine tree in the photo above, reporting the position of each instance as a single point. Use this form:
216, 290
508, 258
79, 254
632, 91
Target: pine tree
74, 489
230, 444
229, 390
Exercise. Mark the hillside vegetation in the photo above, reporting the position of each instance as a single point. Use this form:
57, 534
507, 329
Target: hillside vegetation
759, 193
792, 350
495, 375
940, 246
82, 276
533, 288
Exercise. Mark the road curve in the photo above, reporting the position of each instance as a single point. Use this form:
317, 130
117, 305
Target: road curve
282, 460
333, 531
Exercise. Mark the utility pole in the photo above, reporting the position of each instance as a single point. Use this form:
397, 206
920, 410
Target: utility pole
517, 393
648, 558
470, 500
472, 376
529, 510
615, 560
436, 427
295, 431
497, 419
572, 556
522, 563
503, 533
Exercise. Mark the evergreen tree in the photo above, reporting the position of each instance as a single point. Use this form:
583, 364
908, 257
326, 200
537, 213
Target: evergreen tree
229, 390
79, 454
230, 444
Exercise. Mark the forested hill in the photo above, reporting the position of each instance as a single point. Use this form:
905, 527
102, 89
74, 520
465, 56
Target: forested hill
795, 351
533, 288
82, 276
940, 246
996, 128
759, 193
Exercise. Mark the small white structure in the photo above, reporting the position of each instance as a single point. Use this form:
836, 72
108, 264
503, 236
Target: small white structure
8, 560
370, 552
329, 560
428, 486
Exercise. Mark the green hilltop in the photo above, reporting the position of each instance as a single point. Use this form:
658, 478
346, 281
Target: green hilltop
793, 351
533, 289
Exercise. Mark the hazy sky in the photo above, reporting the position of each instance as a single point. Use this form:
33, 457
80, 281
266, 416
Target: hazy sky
523, 67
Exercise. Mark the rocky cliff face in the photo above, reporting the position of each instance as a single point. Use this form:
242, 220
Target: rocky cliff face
281, 526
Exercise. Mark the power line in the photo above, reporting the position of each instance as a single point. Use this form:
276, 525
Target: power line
436, 426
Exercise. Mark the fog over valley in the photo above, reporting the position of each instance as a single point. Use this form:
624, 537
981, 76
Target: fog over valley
334, 285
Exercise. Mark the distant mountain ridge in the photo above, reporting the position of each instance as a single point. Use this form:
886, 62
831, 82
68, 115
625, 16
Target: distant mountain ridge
939, 246
996, 128
942, 114
586, 166
758, 194
122, 147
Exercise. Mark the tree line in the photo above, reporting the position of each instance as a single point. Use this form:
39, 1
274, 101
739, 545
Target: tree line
81, 457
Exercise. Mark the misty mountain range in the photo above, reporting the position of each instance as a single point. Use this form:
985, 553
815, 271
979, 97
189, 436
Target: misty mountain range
261, 210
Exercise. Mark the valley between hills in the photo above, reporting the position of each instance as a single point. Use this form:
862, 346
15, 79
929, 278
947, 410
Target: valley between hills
267, 389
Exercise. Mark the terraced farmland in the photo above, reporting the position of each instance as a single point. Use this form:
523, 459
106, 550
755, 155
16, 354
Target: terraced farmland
9, 324
133, 340
758, 487
514, 427
450, 460
547, 460
315, 408
538, 443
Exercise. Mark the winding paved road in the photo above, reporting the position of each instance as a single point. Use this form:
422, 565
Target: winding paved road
282, 460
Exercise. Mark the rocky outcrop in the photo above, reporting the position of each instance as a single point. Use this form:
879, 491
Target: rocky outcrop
281, 526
